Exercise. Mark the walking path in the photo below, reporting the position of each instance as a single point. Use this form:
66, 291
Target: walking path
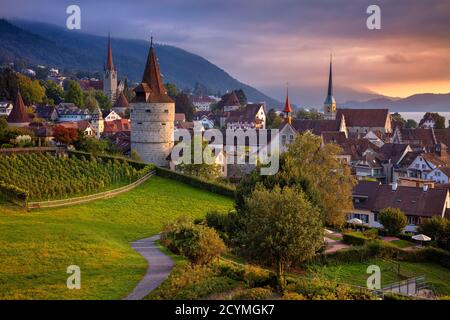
159, 267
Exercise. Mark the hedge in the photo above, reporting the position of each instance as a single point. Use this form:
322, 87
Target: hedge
136, 164
354, 238
196, 182
14, 194
379, 250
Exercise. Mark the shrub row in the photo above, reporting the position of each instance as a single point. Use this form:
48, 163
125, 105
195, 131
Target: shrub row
355, 238
378, 249
13, 193
196, 182
135, 164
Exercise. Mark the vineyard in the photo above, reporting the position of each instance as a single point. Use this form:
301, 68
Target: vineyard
45, 177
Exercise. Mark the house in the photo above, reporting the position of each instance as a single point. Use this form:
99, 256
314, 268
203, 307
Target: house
231, 102
111, 116
121, 140
422, 139
83, 125
207, 119
5, 108
114, 126
180, 117
219, 159
86, 84
361, 121
202, 103
375, 137
425, 163
43, 133
252, 116
439, 175
48, 113
369, 198
69, 112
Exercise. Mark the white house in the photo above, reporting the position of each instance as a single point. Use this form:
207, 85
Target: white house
5, 108
111, 116
439, 175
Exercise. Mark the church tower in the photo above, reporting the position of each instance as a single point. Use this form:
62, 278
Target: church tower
152, 115
330, 104
287, 109
97, 122
110, 76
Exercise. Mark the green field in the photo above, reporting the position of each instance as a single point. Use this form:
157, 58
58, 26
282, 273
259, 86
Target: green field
355, 273
37, 247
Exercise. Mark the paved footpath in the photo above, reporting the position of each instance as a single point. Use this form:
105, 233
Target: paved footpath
159, 267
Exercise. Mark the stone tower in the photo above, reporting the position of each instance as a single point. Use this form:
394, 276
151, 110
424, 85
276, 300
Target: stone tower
330, 104
110, 76
152, 115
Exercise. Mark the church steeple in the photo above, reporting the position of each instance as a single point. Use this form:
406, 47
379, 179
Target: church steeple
109, 57
330, 102
287, 108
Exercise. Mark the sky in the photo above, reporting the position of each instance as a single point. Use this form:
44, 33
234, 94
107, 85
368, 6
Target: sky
268, 44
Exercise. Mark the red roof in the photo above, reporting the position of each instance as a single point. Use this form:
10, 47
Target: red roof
121, 102
152, 88
119, 125
109, 58
19, 112
287, 105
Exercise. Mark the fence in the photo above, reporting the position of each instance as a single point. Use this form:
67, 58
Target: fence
97, 196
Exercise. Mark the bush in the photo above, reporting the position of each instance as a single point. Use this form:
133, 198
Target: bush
200, 244
355, 238
371, 233
438, 228
196, 182
393, 220
257, 277
253, 294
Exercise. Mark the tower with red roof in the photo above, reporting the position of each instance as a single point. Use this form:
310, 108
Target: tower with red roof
110, 75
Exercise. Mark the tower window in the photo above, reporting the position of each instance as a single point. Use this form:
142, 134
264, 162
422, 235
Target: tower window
163, 124
139, 122
148, 110
166, 111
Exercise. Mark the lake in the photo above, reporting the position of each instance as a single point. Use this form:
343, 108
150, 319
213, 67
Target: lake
417, 116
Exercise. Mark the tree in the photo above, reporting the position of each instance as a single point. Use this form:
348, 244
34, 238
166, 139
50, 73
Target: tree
411, 124
172, 90
313, 114
183, 105
438, 119
397, 117
201, 170
273, 119
438, 228
8, 84
54, 92
199, 243
280, 228
240, 94
74, 94
393, 220
135, 155
3, 123
315, 169
89, 100
31, 90
103, 100
64, 135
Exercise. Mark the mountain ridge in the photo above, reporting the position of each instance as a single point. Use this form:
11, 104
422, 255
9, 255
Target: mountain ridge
41, 43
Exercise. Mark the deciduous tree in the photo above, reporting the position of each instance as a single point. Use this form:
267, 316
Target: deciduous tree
393, 220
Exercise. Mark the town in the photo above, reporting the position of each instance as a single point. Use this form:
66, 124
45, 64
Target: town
90, 160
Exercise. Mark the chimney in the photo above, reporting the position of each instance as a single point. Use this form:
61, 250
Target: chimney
425, 188
394, 186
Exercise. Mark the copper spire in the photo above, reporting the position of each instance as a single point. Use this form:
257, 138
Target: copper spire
287, 108
109, 58
19, 112
152, 75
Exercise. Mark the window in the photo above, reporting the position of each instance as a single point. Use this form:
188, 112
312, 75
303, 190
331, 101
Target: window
283, 139
148, 110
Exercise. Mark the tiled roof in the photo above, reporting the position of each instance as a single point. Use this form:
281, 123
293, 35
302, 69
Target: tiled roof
411, 200
80, 125
121, 102
356, 147
44, 112
334, 137
231, 99
19, 112
201, 99
247, 114
364, 117
316, 126
436, 159
180, 117
115, 126
86, 84
392, 151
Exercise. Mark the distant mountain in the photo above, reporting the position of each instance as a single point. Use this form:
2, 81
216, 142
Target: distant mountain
415, 103
39, 43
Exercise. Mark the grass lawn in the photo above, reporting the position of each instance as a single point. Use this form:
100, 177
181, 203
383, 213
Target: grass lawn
37, 247
355, 273
402, 243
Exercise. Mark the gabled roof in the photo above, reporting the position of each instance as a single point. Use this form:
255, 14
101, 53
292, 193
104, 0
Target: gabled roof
392, 151
357, 147
247, 114
115, 126
44, 111
364, 117
411, 200
337, 137
231, 99
19, 112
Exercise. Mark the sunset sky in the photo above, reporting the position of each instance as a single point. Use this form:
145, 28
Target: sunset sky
268, 43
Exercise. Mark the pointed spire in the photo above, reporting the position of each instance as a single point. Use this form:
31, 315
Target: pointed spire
19, 112
109, 58
287, 107
330, 77
152, 75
